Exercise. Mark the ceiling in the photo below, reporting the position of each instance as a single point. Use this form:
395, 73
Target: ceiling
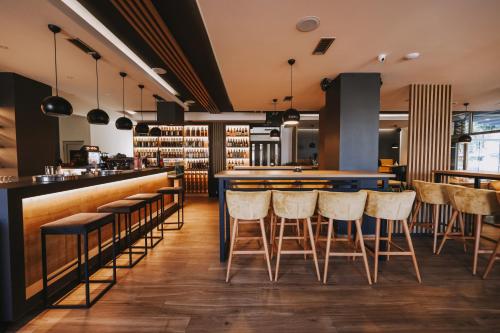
459, 42
26, 48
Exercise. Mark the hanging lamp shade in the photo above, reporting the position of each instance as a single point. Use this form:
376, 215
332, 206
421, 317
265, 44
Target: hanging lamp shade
464, 138
395, 145
97, 116
274, 133
123, 123
155, 131
56, 106
291, 117
141, 128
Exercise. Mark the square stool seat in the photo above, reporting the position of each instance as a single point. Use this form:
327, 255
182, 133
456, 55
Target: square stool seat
121, 206
148, 197
170, 190
77, 223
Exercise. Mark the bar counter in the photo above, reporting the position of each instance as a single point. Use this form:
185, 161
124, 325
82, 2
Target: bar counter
26, 205
328, 180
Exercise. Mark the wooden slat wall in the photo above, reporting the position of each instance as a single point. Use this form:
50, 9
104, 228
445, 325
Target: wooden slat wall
429, 138
429, 130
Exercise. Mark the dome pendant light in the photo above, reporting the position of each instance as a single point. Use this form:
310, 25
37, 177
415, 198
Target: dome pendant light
155, 131
465, 138
141, 128
56, 106
97, 116
291, 116
274, 132
123, 123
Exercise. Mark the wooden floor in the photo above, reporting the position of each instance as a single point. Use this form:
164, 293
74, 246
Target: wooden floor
180, 287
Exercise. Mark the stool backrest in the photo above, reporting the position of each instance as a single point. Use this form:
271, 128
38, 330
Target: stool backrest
248, 205
431, 193
344, 206
389, 205
451, 190
294, 204
476, 201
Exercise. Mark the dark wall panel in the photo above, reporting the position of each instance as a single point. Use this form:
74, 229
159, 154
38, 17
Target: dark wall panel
386, 140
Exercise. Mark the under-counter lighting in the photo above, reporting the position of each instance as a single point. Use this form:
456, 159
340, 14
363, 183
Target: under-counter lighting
83, 13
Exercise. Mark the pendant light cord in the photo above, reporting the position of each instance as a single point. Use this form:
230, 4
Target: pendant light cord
123, 96
97, 85
142, 116
55, 63
291, 86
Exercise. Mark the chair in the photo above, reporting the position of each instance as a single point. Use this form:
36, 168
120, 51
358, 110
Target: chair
295, 206
248, 208
151, 198
479, 203
343, 206
392, 207
435, 195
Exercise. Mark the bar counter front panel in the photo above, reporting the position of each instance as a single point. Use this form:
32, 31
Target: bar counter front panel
25, 206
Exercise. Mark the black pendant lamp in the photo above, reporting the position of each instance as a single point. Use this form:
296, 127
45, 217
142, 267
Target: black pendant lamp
291, 116
465, 138
97, 116
155, 131
123, 123
141, 128
274, 132
56, 106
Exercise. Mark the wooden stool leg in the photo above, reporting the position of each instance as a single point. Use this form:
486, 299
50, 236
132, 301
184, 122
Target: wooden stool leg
377, 246
264, 241
414, 215
235, 233
327, 253
435, 226
477, 239
318, 229
390, 224
492, 260
273, 235
448, 230
297, 225
313, 247
271, 232
304, 238
410, 245
280, 243
359, 236
462, 230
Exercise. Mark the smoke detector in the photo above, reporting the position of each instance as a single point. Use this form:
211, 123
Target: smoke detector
307, 24
159, 70
412, 55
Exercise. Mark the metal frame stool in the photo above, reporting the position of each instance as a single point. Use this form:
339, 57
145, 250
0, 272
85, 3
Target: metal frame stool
175, 190
81, 224
150, 198
126, 208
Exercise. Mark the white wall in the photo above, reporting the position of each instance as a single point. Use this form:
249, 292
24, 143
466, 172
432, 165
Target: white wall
110, 140
403, 146
286, 145
74, 128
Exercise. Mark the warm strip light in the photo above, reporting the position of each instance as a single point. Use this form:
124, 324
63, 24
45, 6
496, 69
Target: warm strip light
81, 11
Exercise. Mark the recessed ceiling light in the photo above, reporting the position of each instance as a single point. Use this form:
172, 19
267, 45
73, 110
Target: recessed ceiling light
307, 24
412, 55
159, 70
130, 111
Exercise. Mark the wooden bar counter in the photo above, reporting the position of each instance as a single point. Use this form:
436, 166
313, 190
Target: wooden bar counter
26, 205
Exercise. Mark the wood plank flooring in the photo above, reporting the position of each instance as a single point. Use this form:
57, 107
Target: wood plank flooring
179, 287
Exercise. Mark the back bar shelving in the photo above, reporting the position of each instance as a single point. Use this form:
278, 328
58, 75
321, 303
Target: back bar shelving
237, 146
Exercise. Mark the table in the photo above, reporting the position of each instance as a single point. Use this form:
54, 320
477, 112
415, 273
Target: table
339, 181
476, 175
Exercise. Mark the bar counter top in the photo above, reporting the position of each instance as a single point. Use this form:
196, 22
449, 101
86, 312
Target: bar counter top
27, 187
305, 174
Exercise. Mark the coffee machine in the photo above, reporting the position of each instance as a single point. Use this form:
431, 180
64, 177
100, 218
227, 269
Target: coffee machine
87, 156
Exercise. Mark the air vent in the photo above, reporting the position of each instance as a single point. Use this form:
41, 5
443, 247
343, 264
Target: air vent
323, 45
81, 45
287, 98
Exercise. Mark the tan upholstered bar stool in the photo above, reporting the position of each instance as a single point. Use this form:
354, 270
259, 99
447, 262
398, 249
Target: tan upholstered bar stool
295, 206
496, 252
479, 203
245, 208
343, 206
434, 195
392, 207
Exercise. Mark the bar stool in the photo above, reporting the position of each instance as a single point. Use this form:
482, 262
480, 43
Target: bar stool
435, 195
479, 203
296, 206
173, 190
125, 208
343, 206
248, 208
151, 198
391, 207
81, 225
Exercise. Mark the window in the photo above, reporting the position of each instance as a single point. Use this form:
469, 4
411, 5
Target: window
485, 121
483, 153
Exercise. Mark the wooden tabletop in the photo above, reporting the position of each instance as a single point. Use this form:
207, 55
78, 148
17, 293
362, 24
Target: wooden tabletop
267, 167
306, 174
465, 173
